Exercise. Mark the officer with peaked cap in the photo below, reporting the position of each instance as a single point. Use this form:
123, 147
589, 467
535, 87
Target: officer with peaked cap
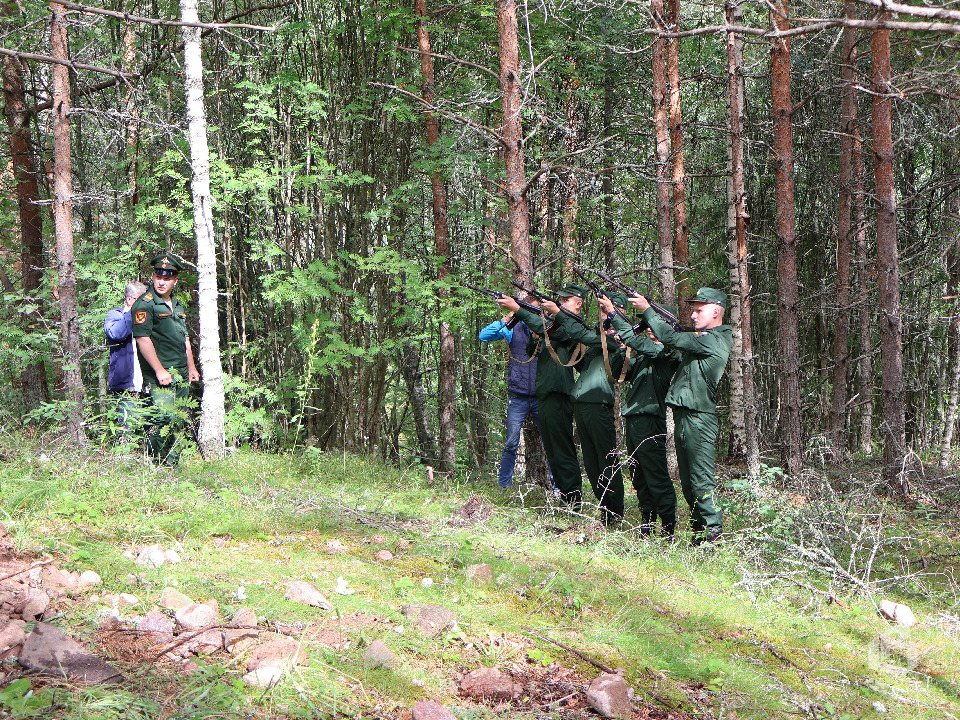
166, 357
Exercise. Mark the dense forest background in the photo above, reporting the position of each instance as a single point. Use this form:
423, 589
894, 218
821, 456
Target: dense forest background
355, 185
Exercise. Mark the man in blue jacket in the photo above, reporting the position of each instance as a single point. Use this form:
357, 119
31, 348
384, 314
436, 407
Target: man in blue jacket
124, 378
521, 388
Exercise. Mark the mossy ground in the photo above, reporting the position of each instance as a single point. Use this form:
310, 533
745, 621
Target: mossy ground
780, 621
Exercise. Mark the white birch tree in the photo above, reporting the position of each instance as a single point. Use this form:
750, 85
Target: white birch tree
212, 409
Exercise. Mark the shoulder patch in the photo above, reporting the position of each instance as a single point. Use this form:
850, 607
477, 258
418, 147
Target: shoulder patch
148, 296
141, 317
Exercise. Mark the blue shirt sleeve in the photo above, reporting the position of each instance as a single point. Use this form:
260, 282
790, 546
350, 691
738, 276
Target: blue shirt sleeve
496, 330
118, 325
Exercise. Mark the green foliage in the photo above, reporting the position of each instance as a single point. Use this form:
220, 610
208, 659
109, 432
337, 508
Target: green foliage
19, 700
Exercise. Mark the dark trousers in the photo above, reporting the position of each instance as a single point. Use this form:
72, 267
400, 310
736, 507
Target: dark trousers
647, 444
696, 436
128, 403
598, 440
556, 429
165, 414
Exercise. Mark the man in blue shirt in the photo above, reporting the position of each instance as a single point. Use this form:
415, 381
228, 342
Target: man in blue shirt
124, 378
521, 381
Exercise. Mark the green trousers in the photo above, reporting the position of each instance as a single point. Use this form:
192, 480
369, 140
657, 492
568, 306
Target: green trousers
647, 444
556, 428
165, 416
696, 436
598, 440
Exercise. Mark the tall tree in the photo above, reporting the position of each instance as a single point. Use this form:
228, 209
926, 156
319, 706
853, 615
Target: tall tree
787, 292
661, 152
743, 413
681, 244
63, 228
32, 381
888, 262
212, 416
448, 357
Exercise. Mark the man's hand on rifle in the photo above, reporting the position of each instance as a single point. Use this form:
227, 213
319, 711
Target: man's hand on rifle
551, 307
606, 303
639, 302
508, 303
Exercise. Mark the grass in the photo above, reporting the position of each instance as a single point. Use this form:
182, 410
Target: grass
779, 622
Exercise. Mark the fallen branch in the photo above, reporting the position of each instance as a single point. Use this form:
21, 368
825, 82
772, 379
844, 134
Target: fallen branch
579, 654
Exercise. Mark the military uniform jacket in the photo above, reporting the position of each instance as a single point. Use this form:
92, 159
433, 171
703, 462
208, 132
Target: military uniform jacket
551, 377
166, 325
593, 384
702, 362
649, 375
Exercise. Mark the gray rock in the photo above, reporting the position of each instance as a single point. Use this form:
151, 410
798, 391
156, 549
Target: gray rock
379, 655
430, 620
431, 710
479, 574
608, 695
900, 614
383, 556
196, 617
303, 592
280, 653
263, 677
49, 651
490, 684
37, 603
157, 627
245, 635
88, 579
151, 556
173, 599
58, 582
12, 634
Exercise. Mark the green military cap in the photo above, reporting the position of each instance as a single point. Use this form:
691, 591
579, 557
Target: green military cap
618, 299
571, 290
709, 295
166, 265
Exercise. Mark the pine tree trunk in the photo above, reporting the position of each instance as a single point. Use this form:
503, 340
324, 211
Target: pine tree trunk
32, 381
841, 326
212, 409
63, 229
743, 414
681, 251
788, 295
448, 359
661, 151
888, 265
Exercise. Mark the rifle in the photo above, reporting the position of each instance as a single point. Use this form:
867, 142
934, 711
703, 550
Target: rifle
497, 295
599, 292
546, 298
668, 317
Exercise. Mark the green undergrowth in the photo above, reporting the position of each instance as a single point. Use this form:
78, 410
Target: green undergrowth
778, 622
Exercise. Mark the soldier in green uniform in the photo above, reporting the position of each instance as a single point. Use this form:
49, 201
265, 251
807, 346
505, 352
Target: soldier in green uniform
593, 399
645, 421
166, 357
693, 397
553, 385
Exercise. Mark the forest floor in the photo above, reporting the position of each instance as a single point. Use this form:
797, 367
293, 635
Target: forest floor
780, 621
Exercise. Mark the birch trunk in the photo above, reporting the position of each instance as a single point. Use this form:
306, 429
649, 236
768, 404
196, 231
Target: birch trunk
63, 230
212, 409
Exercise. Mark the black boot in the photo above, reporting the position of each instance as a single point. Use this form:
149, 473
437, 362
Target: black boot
667, 526
698, 527
611, 517
646, 523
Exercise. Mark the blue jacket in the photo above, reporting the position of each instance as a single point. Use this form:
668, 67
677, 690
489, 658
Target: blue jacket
118, 328
521, 375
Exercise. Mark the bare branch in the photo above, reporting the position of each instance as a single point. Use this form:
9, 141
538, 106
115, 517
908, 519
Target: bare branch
127, 17
70, 64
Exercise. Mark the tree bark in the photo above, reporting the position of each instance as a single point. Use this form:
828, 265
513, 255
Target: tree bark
661, 151
32, 381
788, 295
63, 230
448, 359
743, 414
211, 433
849, 134
888, 264
681, 251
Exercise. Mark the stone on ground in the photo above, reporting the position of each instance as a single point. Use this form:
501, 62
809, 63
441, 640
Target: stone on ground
431, 710
608, 695
37, 601
263, 677
12, 634
430, 620
379, 655
383, 556
300, 591
898, 613
489, 683
173, 599
479, 574
50, 651
279, 653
